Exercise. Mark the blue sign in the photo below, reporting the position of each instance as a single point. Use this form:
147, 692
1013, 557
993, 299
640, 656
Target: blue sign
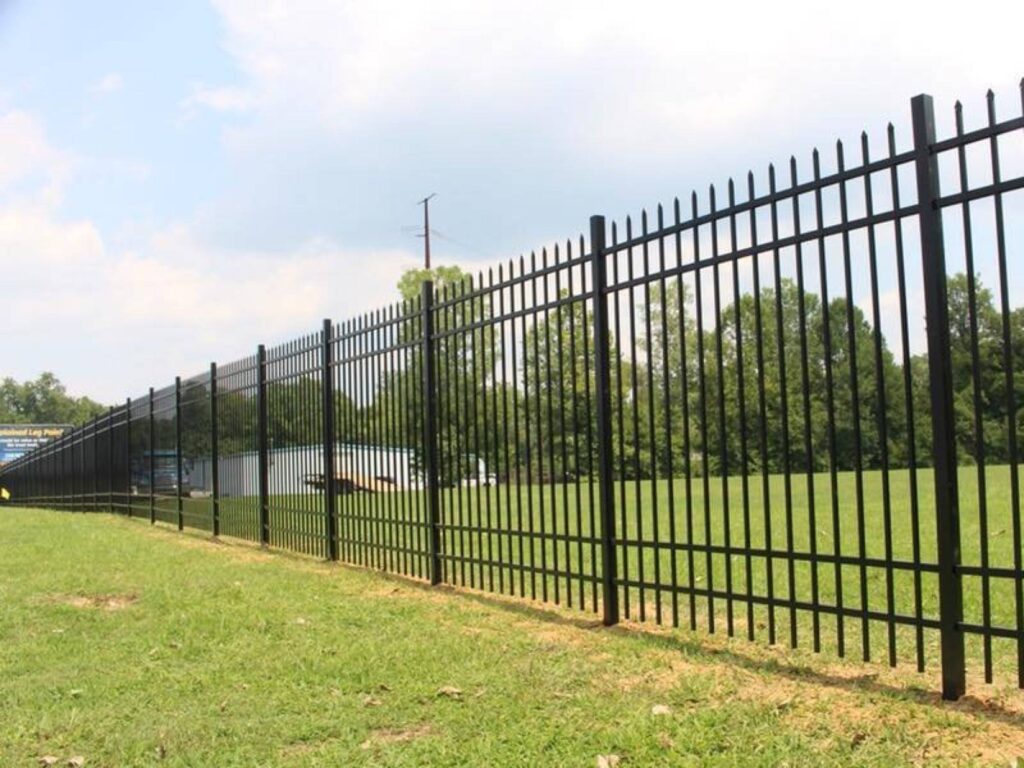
18, 439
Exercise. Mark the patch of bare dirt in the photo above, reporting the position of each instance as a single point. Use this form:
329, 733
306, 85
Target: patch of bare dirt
97, 602
384, 736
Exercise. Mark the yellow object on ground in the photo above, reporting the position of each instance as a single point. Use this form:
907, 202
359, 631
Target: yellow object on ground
5, 494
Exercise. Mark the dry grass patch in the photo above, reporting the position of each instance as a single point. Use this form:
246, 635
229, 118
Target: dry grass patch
384, 736
97, 602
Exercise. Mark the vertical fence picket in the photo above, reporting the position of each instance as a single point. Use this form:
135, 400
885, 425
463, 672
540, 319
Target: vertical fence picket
430, 433
179, 501
329, 441
262, 443
128, 455
603, 405
933, 259
152, 461
214, 454
110, 460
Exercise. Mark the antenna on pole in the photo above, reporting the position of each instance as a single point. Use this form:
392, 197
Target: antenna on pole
425, 202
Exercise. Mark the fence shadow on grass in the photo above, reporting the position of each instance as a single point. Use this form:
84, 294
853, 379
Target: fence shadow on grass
695, 646
743, 654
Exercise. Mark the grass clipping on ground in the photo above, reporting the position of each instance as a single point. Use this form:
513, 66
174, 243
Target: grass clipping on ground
125, 645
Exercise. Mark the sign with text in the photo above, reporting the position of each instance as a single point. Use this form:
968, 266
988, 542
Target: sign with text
18, 439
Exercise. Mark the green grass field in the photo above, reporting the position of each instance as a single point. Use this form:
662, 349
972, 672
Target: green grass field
131, 646
484, 549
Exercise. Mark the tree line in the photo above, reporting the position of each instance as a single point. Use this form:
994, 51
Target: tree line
44, 400
776, 381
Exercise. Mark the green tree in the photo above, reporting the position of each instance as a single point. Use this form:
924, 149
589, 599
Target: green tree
391, 412
557, 436
44, 400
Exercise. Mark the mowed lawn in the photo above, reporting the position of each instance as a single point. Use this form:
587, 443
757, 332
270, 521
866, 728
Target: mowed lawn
516, 538
130, 645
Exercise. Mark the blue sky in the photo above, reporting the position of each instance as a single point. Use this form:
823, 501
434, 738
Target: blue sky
182, 180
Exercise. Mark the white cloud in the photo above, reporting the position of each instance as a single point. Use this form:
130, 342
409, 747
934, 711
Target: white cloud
76, 305
218, 99
110, 82
29, 165
647, 78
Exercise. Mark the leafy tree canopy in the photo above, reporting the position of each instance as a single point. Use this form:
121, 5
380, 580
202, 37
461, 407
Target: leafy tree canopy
44, 401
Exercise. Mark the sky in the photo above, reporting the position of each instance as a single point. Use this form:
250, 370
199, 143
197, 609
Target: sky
180, 181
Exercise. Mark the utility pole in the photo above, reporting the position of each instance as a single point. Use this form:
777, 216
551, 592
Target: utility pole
425, 202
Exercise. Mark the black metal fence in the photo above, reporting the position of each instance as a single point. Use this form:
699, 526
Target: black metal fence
726, 412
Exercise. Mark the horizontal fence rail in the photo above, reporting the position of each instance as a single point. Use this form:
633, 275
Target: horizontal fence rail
787, 408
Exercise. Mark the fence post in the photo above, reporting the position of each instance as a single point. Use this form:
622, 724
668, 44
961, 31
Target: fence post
110, 460
95, 465
152, 461
330, 489
430, 432
94, 507
940, 370
128, 454
177, 450
602, 392
264, 459
214, 451
76, 476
